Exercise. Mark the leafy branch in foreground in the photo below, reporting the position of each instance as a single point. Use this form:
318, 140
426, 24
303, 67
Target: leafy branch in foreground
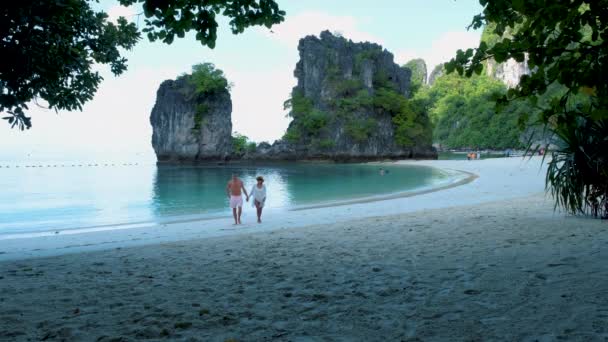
565, 45
49, 47
577, 170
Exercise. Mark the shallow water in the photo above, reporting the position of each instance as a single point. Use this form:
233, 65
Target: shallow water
55, 198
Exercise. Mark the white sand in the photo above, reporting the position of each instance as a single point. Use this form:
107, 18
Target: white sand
489, 261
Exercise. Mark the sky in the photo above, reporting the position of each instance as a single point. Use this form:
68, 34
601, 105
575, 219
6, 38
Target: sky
259, 63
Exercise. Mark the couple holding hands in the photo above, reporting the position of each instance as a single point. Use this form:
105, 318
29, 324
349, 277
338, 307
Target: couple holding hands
258, 192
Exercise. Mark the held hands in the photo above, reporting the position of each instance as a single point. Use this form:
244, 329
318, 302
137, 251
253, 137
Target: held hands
247, 199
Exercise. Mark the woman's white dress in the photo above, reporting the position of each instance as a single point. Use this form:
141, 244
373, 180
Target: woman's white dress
258, 194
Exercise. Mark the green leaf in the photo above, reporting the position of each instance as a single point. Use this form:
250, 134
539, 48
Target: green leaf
59, 62
518, 5
599, 114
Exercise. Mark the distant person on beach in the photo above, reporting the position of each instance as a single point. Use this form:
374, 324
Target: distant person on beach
233, 190
258, 192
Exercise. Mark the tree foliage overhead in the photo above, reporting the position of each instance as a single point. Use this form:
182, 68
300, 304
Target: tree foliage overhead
48, 50
566, 43
49, 47
167, 19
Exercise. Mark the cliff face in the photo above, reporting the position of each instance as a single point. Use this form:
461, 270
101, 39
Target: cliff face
330, 58
334, 109
419, 72
437, 72
508, 72
190, 128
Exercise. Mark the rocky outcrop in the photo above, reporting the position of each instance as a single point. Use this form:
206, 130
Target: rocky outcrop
188, 128
331, 105
437, 72
418, 68
508, 72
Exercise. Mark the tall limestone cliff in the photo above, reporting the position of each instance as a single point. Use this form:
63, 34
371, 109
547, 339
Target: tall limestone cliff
437, 72
417, 67
350, 103
508, 72
190, 125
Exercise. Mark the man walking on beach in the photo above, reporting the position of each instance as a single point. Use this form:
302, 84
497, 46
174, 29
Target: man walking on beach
235, 185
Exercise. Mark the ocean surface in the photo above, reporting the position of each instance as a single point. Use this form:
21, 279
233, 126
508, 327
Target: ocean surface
53, 196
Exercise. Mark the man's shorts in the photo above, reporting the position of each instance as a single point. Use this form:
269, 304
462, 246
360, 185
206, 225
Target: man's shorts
236, 201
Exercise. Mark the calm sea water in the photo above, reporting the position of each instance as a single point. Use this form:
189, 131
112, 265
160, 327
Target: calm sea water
55, 197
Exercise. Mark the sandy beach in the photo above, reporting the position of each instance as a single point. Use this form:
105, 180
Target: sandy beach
489, 260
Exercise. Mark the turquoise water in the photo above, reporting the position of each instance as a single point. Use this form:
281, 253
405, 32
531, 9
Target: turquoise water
64, 197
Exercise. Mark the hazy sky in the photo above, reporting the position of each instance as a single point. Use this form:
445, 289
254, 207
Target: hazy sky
259, 63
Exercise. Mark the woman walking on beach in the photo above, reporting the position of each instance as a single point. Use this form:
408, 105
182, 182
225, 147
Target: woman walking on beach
258, 192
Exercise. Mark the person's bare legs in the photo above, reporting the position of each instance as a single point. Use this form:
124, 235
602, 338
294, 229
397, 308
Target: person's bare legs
259, 211
234, 214
240, 210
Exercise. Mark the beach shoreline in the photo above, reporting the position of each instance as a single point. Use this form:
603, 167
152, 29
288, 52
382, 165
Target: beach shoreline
498, 179
454, 178
489, 260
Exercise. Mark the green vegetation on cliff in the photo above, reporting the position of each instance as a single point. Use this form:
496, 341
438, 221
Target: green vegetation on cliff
310, 121
241, 144
409, 116
354, 98
566, 43
464, 115
418, 68
411, 124
204, 80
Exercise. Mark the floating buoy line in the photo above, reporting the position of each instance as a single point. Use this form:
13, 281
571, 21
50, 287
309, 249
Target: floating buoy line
67, 165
